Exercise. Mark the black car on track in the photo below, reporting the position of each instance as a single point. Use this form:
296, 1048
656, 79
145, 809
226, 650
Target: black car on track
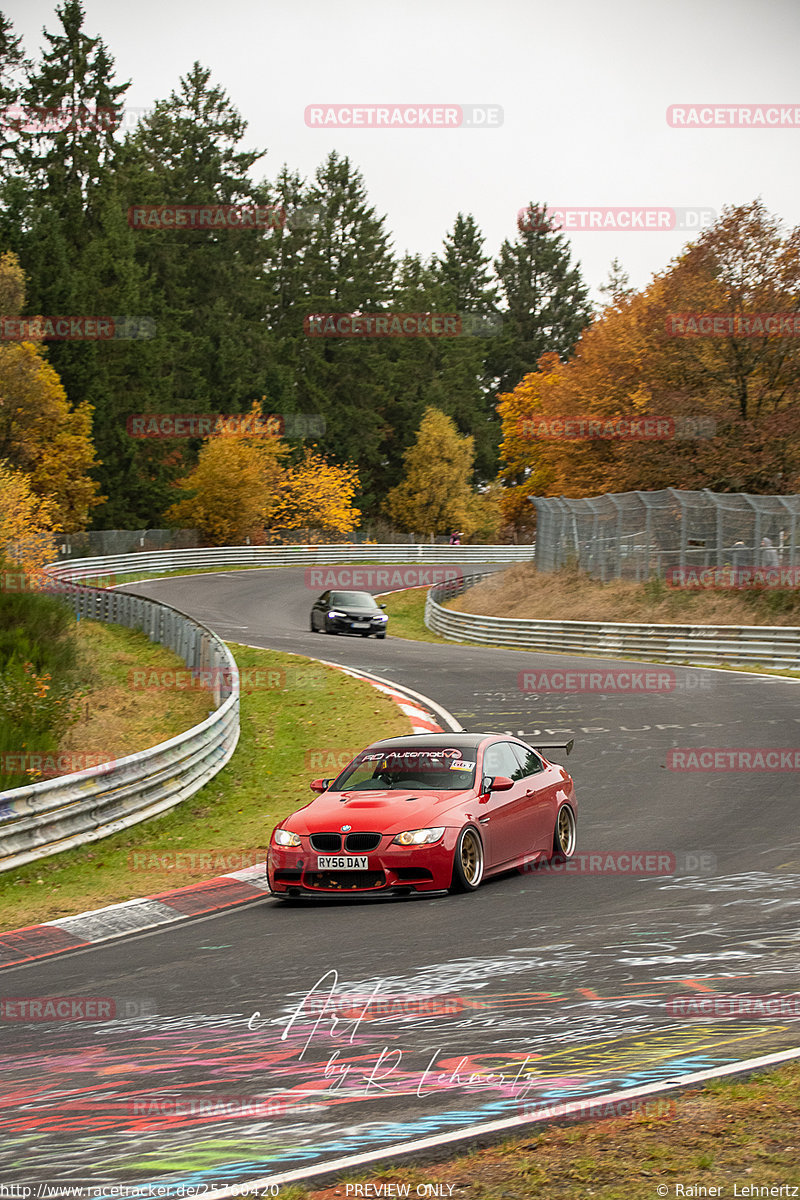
348, 612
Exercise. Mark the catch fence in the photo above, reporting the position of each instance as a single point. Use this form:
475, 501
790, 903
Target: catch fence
634, 535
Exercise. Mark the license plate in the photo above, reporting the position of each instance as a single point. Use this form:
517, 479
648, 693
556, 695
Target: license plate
342, 862
360, 624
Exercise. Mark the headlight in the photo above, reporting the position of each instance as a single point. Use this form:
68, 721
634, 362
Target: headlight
334, 612
285, 837
417, 837
380, 618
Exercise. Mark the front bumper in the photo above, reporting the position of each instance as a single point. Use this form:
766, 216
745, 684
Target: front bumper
356, 625
294, 870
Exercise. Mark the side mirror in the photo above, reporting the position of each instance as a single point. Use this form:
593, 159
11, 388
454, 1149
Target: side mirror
320, 785
500, 783
381, 606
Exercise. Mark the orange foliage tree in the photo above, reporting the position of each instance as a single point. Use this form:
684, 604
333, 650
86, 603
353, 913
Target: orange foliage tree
742, 391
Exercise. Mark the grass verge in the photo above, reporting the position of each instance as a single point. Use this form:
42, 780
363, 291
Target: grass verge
292, 729
744, 1133
406, 613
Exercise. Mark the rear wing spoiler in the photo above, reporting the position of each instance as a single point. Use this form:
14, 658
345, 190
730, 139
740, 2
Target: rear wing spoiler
546, 747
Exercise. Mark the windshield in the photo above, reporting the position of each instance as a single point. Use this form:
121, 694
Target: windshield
415, 768
357, 599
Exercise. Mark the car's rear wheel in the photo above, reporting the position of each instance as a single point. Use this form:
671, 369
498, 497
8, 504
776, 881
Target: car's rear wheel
565, 833
467, 861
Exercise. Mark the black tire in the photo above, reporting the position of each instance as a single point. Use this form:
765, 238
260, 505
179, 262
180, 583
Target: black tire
313, 626
565, 832
468, 861
364, 634
381, 636
328, 626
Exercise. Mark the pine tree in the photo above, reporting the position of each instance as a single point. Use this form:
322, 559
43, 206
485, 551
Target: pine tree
546, 302
347, 268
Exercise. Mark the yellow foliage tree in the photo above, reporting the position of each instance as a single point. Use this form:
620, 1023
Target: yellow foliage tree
40, 433
317, 497
235, 488
28, 523
435, 497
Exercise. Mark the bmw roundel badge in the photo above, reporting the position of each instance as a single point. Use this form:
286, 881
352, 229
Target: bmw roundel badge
346, 828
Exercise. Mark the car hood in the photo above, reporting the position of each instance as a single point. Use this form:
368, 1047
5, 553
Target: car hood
353, 610
383, 811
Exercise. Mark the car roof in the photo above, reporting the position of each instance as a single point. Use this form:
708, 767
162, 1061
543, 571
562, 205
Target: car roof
435, 741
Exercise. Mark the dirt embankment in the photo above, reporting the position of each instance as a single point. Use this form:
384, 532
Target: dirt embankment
569, 595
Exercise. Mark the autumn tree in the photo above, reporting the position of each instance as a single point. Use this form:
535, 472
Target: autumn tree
28, 523
234, 490
40, 433
731, 403
317, 497
435, 496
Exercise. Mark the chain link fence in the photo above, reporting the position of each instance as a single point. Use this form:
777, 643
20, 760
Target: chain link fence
634, 535
101, 542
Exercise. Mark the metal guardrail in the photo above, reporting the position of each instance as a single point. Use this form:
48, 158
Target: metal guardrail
776, 647
57, 814
285, 556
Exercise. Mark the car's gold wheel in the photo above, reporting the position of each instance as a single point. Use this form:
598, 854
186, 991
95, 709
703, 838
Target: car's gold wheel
565, 833
468, 861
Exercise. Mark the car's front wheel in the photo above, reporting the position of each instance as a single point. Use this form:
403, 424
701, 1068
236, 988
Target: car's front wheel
565, 833
467, 861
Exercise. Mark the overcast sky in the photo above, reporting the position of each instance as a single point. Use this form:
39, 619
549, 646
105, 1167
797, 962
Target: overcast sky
584, 89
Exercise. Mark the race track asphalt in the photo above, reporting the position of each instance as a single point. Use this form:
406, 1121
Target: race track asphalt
441, 1013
